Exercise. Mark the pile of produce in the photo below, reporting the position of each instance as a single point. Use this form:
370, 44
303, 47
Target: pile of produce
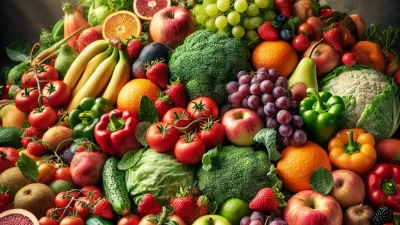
229, 112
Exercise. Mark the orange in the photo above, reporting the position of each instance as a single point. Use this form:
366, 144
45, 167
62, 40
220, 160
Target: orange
121, 24
278, 55
298, 163
132, 92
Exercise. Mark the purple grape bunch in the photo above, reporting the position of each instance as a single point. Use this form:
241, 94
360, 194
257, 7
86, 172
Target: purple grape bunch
258, 218
265, 92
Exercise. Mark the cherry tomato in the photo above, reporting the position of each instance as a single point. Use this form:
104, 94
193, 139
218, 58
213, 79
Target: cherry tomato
43, 118
27, 99
68, 220
95, 192
46, 173
63, 173
63, 201
202, 107
349, 59
45, 73
306, 29
129, 220
212, 135
47, 221
300, 42
82, 209
58, 213
189, 151
162, 137
56, 94
177, 116
8, 158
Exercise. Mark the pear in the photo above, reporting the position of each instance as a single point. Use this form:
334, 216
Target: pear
64, 59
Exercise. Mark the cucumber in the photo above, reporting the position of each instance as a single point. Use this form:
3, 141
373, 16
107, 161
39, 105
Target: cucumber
115, 187
94, 220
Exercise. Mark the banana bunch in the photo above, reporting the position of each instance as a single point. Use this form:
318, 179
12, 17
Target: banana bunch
100, 70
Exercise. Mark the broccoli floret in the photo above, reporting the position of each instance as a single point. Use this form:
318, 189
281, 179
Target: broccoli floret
206, 62
236, 172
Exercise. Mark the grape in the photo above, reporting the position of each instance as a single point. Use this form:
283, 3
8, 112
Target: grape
273, 74
289, 94
280, 19
252, 10
237, 105
256, 222
269, 16
254, 101
212, 10
232, 87
244, 89
236, 97
278, 92
260, 111
245, 220
233, 18
207, 2
266, 86
210, 24
262, 69
262, 4
241, 73
297, 121
293, 107
271, 123
238, 31
198, 10
283, 117
245, 79
285, 35
281, 82
246, 23
285, 130
286, 141
225, 30
256, 21
245, 102
278, 223
270, 109
255, 89
262, 75
202, 18
251, 35
254, 81
277, 218
299, 137
223, 5
221, 22
265, 98
240, 5
257, 216
283, 103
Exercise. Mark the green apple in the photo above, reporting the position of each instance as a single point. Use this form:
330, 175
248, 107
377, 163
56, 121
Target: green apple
216, 220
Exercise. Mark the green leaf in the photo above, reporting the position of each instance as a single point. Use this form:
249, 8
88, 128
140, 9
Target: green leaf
207, 158
321, 180
147, 110
130, 159
18, 51
28, 167
268, 137
315, 8
141, 131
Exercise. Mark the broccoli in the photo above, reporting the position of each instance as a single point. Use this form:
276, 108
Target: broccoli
236, 172
206, 62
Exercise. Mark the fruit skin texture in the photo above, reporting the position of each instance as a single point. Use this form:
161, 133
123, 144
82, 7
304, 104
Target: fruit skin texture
186, 208
267, 32
310, 207
370, 54
6, 199
285, 7
325, 57
8, 158
88, 36
162, 106
177, 94
349, 59
10, 216
348, 188
358, 215
334, 37
296, 177
383, 215
103, 209
388, 151
266, 200
158, 73
86, 168
36, 148
133, 48
204, 220
148, 204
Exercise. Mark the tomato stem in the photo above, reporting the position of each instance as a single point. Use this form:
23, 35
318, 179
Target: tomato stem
39, 89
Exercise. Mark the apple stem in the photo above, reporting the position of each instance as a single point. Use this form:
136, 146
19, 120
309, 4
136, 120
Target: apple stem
313, 48
351, 146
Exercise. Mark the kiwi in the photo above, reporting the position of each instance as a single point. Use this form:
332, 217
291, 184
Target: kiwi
14, 180
58, 138
37, 198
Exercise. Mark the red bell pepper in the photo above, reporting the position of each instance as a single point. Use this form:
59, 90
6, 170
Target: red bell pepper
115, 133
8, 158
383, 186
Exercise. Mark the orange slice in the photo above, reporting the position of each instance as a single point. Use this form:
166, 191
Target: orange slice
121, 24
145, 9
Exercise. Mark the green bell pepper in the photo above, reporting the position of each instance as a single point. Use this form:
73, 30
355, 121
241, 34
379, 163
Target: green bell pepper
87, 114
323, 115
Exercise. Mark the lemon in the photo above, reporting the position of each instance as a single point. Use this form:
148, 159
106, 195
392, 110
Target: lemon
234, 210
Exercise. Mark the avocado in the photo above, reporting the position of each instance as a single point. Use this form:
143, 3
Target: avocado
10, 137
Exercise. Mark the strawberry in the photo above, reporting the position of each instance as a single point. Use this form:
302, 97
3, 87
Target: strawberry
103, 209
25, 141
157, 71
162, 104
6, 199
148, 204
284, 7
134, 48
267, 200
202, 202
36, 148
177, 94
333, 36
268, 32
325, 13
186, 208
33, 132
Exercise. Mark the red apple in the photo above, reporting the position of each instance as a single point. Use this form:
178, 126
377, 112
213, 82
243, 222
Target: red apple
348, 188
318, 25
358, 215
325, 57
241, 125
310, 207
172, 25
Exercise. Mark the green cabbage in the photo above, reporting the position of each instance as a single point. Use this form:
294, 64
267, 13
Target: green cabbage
100, 9
158, 174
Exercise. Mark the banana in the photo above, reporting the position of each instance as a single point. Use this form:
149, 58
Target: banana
121, 75
79, 64
97, 81
91, 67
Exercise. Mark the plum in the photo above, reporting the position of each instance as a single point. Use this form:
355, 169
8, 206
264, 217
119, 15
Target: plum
86, 168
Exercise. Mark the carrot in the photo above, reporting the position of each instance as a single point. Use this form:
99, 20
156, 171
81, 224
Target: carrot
370, 54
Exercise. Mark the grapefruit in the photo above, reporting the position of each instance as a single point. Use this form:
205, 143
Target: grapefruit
121, 24
145, 9
18, 216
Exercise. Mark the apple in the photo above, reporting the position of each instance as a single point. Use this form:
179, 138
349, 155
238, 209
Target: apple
318, 25
358, 215
348, 188
397, 77
310, 207
359, 22
241, 125
325, 58
216, 220
172, 25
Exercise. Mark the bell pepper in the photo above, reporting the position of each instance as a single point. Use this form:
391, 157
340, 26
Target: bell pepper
115, 133
8, 158
86, 115
353, 149
383, 186
322, 114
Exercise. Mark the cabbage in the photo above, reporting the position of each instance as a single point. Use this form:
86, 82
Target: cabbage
372, 99
158, 174
100, 9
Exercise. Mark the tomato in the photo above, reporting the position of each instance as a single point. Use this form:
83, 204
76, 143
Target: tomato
63, 173
45, 73
46, 173
300, 42
47, 221
27, 99
57, 214
212, 134
306, 29
43, 118
8, 158
82, 209
68, 220
189, 150
349, 59
56, 94
202, 107
129, 220
94, 191
63, 201
177, 116
162, 137
146, 220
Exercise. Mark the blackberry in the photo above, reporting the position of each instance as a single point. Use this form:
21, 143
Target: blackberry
383, 215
